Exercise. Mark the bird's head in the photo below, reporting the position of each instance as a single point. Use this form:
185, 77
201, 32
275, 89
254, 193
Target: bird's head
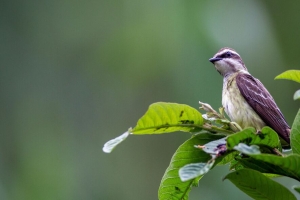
228, 61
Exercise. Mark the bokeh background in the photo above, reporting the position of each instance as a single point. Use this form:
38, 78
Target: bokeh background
75, 74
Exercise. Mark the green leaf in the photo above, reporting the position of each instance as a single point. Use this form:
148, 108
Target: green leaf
164, 117
271, 175
258, 186
297, 95
286, 166
235, 164
295, 134
228, 158
171, 187
258, 165
111, 144
293, 75
267, 137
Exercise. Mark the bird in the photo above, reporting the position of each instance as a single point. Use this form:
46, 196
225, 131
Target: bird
245, 99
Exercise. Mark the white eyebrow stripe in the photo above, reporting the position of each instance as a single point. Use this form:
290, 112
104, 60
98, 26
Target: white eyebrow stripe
226, 50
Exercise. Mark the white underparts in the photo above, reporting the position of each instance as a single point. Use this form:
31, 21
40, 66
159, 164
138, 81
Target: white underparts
236, 106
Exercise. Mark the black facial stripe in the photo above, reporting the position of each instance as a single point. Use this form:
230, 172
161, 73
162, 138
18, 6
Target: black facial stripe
229, 63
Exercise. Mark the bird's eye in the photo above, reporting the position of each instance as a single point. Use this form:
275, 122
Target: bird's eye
228, 54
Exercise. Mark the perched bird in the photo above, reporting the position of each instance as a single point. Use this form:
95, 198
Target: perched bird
245, 99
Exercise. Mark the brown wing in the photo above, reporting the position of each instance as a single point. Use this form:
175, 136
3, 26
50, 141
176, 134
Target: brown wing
263, 104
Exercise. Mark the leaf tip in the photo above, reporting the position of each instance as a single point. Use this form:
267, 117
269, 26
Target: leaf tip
277, 77
106, 150
296, 95
224, 178
297, 188
111, 144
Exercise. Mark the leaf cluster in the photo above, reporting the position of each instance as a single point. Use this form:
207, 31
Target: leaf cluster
254, 156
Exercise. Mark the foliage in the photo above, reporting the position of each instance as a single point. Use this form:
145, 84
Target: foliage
295, 134
171, 186
293, 75
254, 157
258, 186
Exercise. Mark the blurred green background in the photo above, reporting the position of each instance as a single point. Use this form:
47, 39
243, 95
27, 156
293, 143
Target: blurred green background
75, 74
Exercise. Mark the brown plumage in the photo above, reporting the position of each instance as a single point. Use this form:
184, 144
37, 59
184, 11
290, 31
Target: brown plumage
258, 97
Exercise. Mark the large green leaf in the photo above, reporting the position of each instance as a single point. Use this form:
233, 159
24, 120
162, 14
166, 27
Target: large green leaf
258, 186
267, 137
171, 187
287, 166
293, 75
269, 170
164, 117
295, 134
256, 165
161, 118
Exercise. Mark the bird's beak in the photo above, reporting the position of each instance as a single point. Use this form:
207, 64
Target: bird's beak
213, 60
